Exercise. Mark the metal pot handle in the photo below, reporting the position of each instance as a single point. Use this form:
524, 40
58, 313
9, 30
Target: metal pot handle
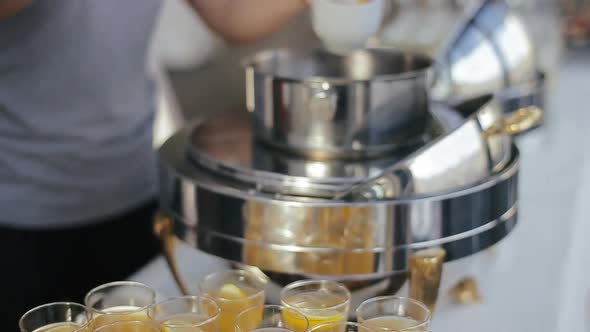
425, 274
516, 122
163, 230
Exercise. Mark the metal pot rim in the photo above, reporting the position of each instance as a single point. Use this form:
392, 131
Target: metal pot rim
227, 187
255, 176
252, 63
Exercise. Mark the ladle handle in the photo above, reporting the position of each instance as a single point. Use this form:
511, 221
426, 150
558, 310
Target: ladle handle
516, 122
163, 230
425, 274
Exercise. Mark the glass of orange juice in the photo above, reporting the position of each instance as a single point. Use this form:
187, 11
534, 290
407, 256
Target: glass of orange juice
321, 301
271, 318
55, 317
393, 313
119, 301
129, 326
186, 314
340, 327
234, 291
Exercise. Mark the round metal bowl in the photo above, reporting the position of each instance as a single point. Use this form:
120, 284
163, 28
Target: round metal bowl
322, 105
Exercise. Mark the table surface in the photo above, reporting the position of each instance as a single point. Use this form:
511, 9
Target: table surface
534, 280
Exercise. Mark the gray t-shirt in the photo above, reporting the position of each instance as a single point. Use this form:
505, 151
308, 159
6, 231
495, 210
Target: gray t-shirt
76, 111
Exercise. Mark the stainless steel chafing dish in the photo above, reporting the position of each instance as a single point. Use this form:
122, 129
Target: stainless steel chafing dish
267, 207
367, 245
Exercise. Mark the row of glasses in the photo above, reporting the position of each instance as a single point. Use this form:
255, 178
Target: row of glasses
124, 306
230, 301
127, 306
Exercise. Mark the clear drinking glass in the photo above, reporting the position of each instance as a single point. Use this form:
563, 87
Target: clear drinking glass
340, 327
234, 291
129, 326
393, 313
55, 317
271, 318
321, 301
119, 301
186, 314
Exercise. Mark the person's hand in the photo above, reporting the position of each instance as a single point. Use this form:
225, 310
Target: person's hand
245, 21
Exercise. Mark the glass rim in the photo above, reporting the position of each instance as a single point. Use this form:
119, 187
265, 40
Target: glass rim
332, 324
229, 272
300, 283
191, 297
118, 283
51, 304
121, 322
267, 306
422, 323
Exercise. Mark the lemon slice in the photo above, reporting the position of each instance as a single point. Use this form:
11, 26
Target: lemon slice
232, 292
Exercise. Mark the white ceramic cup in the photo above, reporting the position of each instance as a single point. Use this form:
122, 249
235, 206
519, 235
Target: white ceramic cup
345, 25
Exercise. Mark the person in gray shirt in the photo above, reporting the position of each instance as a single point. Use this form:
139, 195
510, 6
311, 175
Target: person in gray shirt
77, 168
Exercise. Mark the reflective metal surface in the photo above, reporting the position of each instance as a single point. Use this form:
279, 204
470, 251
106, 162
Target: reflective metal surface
344, 240
323, 105
236, 153
490, 51
224, 144
464, 156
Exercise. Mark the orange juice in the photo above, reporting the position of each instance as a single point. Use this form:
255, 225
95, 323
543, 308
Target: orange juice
129, 326
232, 300
60, 327
319, 307
118, 314
393, 323
189, 322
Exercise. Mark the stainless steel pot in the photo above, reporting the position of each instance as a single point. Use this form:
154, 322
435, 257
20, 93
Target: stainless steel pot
322, 105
